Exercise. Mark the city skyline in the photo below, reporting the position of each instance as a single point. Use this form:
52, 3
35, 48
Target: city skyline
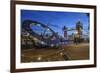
56, 20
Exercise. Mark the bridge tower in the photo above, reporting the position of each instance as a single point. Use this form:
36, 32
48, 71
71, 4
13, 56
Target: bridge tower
65, 32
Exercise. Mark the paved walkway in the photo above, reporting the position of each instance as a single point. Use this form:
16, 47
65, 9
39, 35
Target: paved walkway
72, 51
77, 52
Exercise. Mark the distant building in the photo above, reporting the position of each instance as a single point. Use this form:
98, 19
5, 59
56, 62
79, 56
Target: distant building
65, 32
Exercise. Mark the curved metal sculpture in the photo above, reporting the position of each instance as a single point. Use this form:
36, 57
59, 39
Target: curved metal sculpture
42, 39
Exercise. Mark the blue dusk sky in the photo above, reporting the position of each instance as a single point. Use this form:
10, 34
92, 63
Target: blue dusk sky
56, 20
